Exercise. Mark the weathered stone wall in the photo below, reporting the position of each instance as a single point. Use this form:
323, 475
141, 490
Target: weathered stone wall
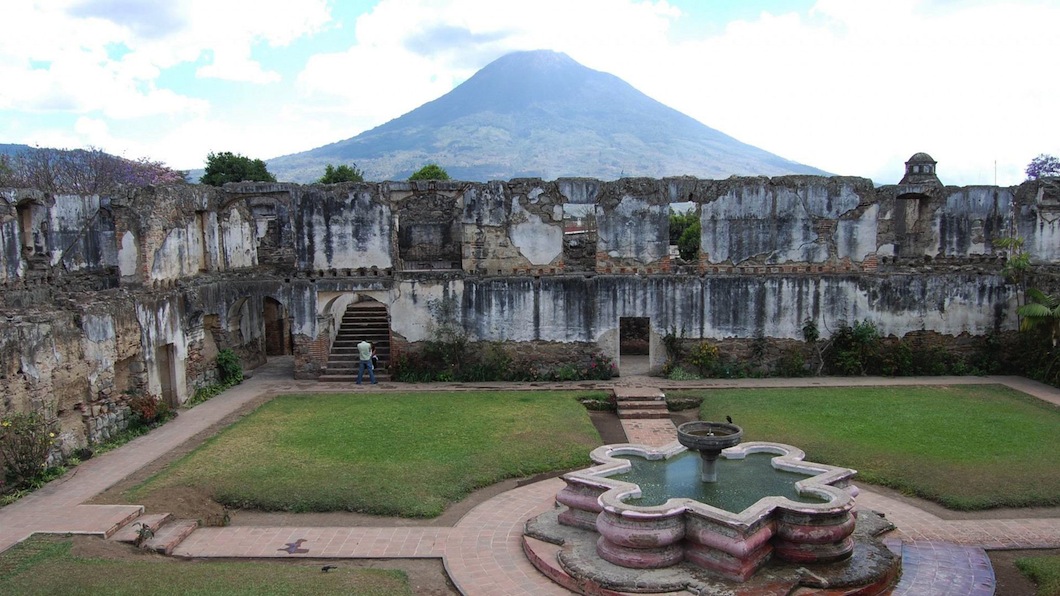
138, 290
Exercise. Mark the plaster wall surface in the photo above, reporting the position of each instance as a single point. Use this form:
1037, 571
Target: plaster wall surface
98, 290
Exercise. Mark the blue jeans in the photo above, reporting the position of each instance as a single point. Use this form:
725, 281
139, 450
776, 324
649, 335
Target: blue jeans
363, 364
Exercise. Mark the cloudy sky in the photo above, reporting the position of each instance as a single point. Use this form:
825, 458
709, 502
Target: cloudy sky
849, 86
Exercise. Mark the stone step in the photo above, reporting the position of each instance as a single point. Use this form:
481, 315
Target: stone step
346, 378
354, 339
354, 355
643, 396
170, 535
130, 532
643, 414
335, 367
121, 523
642, 404
638, 393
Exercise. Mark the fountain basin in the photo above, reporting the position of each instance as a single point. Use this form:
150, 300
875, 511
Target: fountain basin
709, 436
709, 439
733, 545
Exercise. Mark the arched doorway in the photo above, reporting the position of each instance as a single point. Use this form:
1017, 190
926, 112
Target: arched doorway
363, 318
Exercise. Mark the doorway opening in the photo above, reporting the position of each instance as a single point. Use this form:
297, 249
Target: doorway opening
634, 346
165, 358
277, 328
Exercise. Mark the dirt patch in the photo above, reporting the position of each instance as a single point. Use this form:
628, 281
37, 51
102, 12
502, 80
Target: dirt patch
426, 576
182, 502
93, 547
1010, 580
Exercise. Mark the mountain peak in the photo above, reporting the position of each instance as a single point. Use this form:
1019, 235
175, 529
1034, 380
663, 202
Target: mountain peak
542, 114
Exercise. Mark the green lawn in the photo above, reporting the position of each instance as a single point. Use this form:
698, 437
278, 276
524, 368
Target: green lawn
966, 447
407, 454
44, 564
1044, 571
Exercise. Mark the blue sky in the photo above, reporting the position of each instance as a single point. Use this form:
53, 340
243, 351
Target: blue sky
850, 86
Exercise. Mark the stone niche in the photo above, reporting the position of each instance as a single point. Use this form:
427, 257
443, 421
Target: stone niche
428, 234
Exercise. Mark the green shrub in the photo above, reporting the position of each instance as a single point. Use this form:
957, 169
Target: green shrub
229, 367
566, 372
683, 402
676, 373
600, 368
522, 370
704, 356
854, 349
601, 402
25, 444
792, 364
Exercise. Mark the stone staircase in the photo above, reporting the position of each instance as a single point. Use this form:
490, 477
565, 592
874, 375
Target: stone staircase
159, 532
362, 320
641, 403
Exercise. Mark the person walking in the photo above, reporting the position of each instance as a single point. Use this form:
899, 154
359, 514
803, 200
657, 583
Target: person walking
365, 352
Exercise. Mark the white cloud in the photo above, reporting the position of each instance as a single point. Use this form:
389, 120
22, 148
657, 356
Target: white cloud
850, 87
101, 55
856, 88
409, 52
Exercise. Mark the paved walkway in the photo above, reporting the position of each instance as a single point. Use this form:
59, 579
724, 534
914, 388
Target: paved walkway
482, 552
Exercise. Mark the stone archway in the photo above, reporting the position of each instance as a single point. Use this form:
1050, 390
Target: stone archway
364, 318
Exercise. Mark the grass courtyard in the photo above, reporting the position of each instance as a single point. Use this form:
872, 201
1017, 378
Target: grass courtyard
405, 454
411, 454
49, 564
967, 447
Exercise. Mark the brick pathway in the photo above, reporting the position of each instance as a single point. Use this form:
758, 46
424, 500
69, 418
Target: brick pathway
482, 553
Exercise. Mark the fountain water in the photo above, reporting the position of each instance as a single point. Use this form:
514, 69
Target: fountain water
676, 532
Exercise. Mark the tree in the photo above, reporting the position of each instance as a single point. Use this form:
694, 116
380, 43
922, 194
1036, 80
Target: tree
1017, 269
1043, 165
343, 173
80, 171
430, 171
230, 167
1041, 310
684, 232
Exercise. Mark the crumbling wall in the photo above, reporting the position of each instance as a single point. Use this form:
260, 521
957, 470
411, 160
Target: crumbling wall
790, 219
139, 289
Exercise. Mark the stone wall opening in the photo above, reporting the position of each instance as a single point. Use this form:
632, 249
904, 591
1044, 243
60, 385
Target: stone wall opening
277, 328
166, 360
33, 222
579, 237
685, 231
202, 222
634, 345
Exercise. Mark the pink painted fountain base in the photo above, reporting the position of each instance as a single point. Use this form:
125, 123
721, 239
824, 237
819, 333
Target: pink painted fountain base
732, 545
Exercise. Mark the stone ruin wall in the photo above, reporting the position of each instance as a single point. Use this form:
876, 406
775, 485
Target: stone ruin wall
138, 291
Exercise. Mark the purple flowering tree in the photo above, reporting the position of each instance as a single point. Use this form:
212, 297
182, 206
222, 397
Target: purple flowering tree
1043, 165
81, 171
